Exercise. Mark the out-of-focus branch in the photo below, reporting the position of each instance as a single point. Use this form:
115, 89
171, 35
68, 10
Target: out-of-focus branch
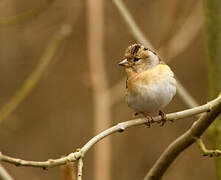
48, 54
212, 19
185, 35
135, 30
99, 79
183, 142
168, 21
35, 76
68, 171
80, 168
4, 174
185, 96
212, 108
178, 42
25, 16
188, 99
205, 151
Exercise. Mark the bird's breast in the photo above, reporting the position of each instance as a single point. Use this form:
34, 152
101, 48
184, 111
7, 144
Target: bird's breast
151, 90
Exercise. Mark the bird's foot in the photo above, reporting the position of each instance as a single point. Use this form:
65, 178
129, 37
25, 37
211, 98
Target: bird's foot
163, 116
149, 120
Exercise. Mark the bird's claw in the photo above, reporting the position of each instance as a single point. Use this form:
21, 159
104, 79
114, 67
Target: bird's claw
149, 120
164, 118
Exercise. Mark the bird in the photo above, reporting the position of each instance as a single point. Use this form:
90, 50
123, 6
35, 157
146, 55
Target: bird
150, 84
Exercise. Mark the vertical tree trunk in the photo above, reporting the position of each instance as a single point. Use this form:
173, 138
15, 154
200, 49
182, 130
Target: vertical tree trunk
99, 79
212, 9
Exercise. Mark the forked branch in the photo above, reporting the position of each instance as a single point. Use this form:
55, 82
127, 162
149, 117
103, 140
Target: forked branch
205, 151
212, 109
183, 142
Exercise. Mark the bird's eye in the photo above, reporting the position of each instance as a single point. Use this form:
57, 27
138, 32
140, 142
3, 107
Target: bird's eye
136, 59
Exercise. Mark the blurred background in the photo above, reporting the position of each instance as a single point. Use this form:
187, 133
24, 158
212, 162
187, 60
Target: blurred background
82, 42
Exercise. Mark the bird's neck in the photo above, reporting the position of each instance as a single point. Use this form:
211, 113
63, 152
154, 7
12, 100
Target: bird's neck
130, 72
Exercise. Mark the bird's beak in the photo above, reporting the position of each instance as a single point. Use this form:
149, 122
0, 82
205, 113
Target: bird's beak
124, 63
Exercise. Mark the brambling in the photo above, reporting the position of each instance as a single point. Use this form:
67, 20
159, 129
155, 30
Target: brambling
150, 84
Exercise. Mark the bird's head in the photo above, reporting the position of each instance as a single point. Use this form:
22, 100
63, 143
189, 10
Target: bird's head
138, 58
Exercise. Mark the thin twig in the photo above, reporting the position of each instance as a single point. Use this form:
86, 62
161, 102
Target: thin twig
169, 21
183, 142
56, 41
139, 36
185, 96
4, 175
80, 168
186, 34
135, 30
36, 74
211, 107
25, 16
205, 151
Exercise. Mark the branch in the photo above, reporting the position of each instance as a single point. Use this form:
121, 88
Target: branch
205, 151
184, 141
169, 21
213, 45
80, 167
135, 30
25, 16
54, 44
213, 108
185, 96
139, 36
37, 73
186, 34
178, 43
4, 174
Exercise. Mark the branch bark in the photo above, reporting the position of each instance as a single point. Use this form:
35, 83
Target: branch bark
183, 142
80, 168
212, 108
205, 151
212, 11
4, 175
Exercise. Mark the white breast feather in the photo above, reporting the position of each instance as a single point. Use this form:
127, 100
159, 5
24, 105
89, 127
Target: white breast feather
153, 97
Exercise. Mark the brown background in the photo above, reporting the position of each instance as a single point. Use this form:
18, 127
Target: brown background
56, 117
